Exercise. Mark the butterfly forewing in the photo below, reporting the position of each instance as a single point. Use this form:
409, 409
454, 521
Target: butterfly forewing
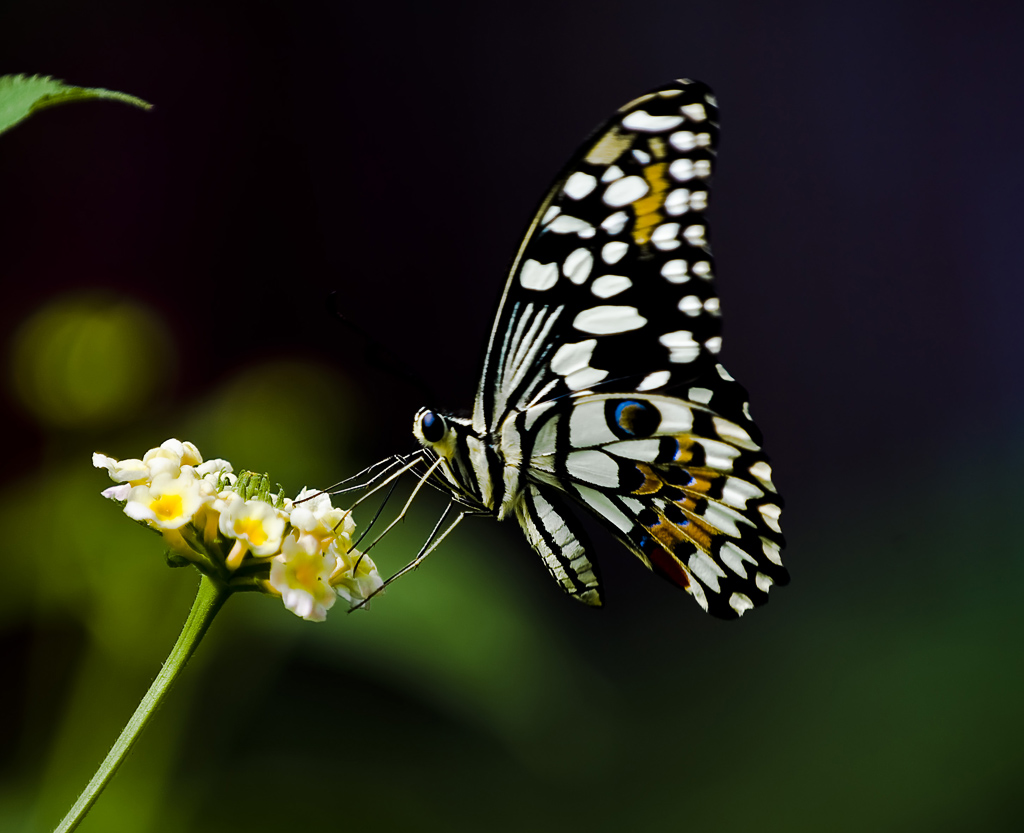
613, 285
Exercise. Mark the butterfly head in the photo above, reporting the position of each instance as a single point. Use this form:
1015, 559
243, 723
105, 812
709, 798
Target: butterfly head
433, 431
464, 456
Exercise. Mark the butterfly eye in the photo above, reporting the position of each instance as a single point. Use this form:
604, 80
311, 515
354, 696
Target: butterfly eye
433, 427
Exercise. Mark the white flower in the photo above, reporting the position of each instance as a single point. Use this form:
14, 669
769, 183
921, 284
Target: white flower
168, 502
312, 513
166, 459
118, 492
214, 468
354, 583
301, 574
183, 453
255, 524
202, 509
122, 471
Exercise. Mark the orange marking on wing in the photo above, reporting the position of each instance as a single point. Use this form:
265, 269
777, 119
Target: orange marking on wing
696, 481
697, 485
683, 454
670, 534
652, 482
672, 537
646, 208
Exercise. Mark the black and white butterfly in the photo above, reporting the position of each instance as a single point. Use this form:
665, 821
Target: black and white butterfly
601, 387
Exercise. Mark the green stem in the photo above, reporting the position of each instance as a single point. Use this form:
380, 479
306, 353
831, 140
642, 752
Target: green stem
209, 599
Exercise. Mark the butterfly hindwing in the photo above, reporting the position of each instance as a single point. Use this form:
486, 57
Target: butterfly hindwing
559, 539
615, 273
682, 482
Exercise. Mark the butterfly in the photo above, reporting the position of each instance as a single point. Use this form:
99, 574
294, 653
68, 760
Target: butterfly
601, 387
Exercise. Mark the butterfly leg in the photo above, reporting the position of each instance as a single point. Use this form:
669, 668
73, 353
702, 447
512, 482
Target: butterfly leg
373, 520
428, 547
405, 509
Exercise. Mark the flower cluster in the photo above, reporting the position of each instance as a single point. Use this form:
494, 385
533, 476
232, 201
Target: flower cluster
236, 530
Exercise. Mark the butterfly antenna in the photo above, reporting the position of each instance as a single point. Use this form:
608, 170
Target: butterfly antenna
411, 461
377, 354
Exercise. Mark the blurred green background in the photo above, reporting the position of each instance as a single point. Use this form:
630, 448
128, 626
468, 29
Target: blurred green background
165, 274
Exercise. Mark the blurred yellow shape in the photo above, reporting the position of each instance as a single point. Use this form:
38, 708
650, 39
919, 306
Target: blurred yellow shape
87, 360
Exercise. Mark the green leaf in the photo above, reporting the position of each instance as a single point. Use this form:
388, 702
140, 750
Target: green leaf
22, 95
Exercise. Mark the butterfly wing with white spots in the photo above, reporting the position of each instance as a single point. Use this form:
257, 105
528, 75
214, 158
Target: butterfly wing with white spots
613, 284
681, 482
601, 382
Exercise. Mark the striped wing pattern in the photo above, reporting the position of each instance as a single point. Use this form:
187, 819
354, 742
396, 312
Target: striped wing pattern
614, 283
601, 381
686, 489
558, 538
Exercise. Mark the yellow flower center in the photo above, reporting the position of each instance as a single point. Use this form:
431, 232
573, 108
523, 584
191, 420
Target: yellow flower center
167, 508
253, 529
306, 573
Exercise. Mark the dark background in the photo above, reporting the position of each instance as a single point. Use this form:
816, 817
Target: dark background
866, 221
